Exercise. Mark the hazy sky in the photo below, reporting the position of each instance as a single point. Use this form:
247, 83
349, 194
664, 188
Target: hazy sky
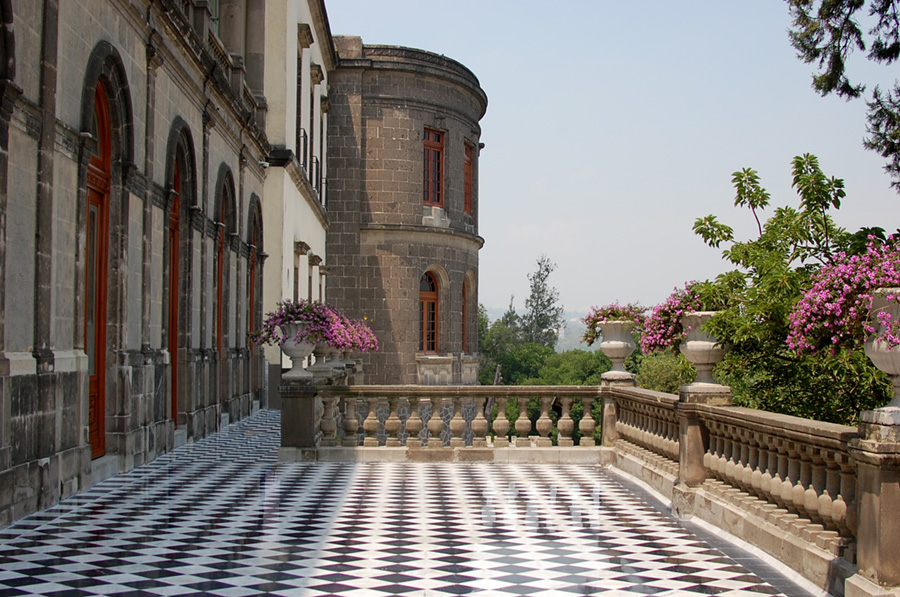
611, 126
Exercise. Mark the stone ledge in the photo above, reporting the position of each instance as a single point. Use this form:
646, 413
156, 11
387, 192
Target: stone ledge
488, 455
859, 586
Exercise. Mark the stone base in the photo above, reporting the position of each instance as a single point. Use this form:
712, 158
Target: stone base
617, 378
555, 455
705, 393
860, 586
683, 498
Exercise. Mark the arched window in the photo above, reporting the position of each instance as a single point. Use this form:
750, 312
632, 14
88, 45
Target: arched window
465, 315
428, 313
96, 267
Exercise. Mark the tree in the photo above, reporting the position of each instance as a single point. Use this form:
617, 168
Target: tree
825, 32
772, 271
543, 314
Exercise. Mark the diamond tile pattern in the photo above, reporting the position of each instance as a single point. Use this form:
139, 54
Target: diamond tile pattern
221, 517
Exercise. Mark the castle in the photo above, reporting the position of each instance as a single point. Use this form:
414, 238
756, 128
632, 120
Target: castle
169, 171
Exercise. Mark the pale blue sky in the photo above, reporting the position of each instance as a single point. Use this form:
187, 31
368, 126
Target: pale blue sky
611, 126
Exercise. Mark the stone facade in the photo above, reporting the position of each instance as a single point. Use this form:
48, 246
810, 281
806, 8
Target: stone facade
154, 158
131, 250
383, 237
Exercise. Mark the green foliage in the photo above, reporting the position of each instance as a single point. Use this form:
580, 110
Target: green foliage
664, 371
571, 368
543, 313
772, 271
825, 32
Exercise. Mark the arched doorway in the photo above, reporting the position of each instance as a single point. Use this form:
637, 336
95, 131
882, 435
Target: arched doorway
174, 278
96, 267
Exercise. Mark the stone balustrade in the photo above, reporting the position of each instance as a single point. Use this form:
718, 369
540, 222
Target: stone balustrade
448, 418
820, 497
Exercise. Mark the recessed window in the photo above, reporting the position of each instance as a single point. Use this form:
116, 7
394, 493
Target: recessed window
428, 313
467, 181
434, 161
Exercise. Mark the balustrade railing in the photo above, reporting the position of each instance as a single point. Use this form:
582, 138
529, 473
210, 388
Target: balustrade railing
454, 416
814, 494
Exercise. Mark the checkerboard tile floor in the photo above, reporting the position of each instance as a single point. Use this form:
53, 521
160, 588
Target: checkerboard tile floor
221, 517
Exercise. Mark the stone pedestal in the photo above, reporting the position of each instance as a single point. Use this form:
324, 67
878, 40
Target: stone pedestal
877, 455
298, 414
693, 440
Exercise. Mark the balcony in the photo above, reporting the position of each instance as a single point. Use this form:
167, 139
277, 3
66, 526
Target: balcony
811, 494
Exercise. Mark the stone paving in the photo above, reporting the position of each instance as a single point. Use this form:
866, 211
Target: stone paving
222, 517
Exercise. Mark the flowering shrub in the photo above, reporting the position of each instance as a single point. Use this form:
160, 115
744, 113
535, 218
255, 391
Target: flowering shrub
662, 329
612, 312
834, 313
365, 337
323, 324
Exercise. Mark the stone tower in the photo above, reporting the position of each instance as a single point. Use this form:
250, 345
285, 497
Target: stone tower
402, 197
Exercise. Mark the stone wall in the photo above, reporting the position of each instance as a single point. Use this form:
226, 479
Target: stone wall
382, 237
175, 103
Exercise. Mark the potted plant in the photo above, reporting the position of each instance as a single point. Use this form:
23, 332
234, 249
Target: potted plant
854, 301
679, 321
297, 326
615, 325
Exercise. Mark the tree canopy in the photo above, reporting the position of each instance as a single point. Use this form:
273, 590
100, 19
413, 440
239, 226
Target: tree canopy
543, 314
826, 32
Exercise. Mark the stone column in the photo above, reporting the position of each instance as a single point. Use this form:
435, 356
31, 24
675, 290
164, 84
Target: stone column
298, 417
877, 455
693, 440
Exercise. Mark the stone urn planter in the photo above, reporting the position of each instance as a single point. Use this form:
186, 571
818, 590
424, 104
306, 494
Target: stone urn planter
297, 351
702, 350
617, 343
883, 356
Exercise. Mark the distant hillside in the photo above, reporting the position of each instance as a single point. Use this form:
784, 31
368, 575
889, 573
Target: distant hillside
569, 337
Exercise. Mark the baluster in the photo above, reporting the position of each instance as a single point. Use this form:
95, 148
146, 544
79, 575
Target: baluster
724, 455
844, 507
758, 459
392, 424
501, 425
780, 474
371, 425
816, 488
673, 437
544, 424
523, 425
351, 423
457, 424
747, 464
710, 456
328, 424
828, 508
435, 424
565, 425
479, 423
770, 464
413, 424
587, 423
798, 493
793, 477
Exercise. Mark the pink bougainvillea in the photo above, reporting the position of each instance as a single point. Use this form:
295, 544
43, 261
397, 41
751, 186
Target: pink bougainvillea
834, 313
612, 312
323, 324
662, 329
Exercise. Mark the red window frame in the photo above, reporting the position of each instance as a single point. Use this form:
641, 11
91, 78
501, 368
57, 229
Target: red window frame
467, 180
433, 182
428, 313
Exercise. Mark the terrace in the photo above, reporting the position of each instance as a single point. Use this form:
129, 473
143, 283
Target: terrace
816, 496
